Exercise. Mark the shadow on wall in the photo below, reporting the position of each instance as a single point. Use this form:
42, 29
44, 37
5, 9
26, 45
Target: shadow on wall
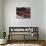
1, 34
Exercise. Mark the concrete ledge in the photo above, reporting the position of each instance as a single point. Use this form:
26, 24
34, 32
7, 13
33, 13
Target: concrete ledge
3, 41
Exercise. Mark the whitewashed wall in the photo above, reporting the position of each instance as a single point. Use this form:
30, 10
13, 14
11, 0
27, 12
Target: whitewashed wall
0, 18
45, 19
37, 17
0, 13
